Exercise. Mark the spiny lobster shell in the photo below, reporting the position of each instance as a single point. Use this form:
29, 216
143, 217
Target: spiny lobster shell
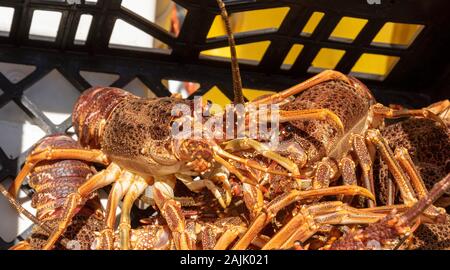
432, 236
80, 232
427, 142
320, 138
91, 111
53, 181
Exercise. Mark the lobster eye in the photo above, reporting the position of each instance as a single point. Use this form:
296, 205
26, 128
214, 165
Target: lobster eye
289, 128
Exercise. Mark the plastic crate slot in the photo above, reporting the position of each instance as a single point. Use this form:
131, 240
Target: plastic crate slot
312, 23
16, 72
347, 29
216, 96
6, 18
128, 36
161, 12
83, 29
291, 56
397, 35
249, 53
252, 94
326, 58
71, 132
53, 87
374, 66
45, 25
253, 20
137, 87
18, 130
178, 20
141, 8
185, 88
99, 78
15, 226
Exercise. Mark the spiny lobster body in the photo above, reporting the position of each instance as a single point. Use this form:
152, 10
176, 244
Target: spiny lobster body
320, 138
52, 182
388, 232
138, 136
428, 144
332, 122
133, 132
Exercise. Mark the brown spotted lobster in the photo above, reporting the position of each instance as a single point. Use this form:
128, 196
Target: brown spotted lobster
331, 129
52, 182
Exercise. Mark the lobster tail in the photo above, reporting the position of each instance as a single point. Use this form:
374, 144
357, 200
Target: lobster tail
53, 180
91, 111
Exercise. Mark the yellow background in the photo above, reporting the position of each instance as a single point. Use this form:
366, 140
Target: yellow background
346, 30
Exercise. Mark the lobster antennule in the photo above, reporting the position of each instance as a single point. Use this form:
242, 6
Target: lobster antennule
237, 81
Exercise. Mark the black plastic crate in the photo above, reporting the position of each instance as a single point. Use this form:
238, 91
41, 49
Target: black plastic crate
420, 76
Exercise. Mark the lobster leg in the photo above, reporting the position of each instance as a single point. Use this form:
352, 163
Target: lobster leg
223, 200
301, 225
253, 196
118, 191
253, 199
234, 171
380, 112
247, 162
365, 162
22, 245
309, 219
404, 159
393, 226
440, 106
221, 175
312, 114
194, 186
246, 143
171, 211
442, 109
218, 175
399, 164
348, 172
297, 115
256, 226
136, 188
228, 237
53, 154
324, 76
20, 209
73, 200
198, 185
406, 190
286, 199
325, 172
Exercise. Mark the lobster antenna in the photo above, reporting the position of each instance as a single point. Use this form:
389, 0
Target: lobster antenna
19, 208
237, 81
435, 193
22, 210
